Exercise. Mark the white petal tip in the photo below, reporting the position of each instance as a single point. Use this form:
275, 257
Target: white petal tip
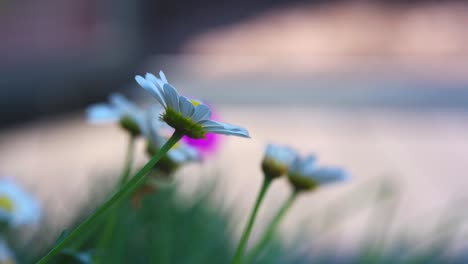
140, 79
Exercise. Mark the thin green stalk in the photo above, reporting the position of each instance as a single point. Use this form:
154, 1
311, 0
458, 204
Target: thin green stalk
121, 194
380, 222
112, 220
272, 228
248, 228
128, 161
122, 180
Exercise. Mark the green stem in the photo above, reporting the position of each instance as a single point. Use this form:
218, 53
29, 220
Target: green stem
112, 220
272, 228
122, 193
248, 229
123, 179
128, 161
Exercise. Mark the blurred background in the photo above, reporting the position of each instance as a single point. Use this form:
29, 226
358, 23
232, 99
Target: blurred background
379, 87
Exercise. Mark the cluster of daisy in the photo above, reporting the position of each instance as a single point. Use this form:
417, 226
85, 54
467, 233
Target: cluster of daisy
19, 210
304, 173
178, 115
193, 119
139, 122
157, 122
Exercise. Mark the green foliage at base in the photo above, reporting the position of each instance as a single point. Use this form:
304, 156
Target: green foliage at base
164, 228
168, 229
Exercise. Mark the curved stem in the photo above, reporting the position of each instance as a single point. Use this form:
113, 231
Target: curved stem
122, 193
128, 161
272, 227
248, 228
112, 219
125, 174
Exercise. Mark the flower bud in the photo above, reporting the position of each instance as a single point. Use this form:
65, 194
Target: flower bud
305, 175
127, 123
277, 160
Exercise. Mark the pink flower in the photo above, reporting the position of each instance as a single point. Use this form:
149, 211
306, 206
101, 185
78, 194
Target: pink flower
205, 146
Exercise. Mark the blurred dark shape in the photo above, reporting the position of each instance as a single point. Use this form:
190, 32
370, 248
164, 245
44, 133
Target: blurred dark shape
170, 24
58, 55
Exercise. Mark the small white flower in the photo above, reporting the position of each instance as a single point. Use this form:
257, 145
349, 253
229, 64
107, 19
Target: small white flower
17, 207
157, 134
189, 117
277, 160
283, 155
305, 174
6, 255
119, 109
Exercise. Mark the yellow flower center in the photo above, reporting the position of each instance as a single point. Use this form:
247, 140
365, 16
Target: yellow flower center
195, 103
6, 203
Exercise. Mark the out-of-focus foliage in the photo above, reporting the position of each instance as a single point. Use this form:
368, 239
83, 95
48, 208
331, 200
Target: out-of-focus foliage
166, 228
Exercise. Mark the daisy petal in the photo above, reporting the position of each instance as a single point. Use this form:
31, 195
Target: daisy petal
225, 131
102, 113
329, 175
158, 82
210, 124
172, 97
163, 77
152, 89
270, 150
26, 211
202, 112
122, 104
234, 128
228, 127
185, 106
281, 154
311, 158
309, 164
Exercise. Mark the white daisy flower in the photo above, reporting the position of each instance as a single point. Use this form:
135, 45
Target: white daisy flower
277, 160
158, 134
17, 207
305, 174
187, 116
119, 109
6, 254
